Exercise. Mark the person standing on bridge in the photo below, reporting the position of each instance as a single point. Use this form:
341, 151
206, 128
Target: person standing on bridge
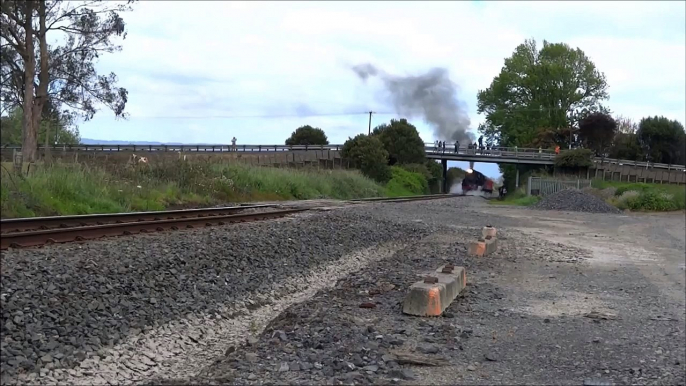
557, 149
233, 144
457, 146
481, 143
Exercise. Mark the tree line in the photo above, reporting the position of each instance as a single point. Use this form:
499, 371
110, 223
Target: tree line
554, 95
393, 144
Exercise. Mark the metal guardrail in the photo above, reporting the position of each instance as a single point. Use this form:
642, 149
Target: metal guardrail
538, 186
432, 149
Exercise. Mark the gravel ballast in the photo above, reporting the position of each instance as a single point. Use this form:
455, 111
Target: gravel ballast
64, 304
573, 200
316, 299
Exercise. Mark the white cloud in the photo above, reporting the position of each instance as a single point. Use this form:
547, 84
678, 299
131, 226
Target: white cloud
253, 58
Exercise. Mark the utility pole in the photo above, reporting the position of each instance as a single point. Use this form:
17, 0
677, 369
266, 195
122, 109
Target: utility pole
369, 130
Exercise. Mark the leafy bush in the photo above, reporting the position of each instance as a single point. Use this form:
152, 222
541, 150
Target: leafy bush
574, 159
651, 200
626, 200
368, 154
406, 183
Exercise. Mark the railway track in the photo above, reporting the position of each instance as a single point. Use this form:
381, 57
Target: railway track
37, 231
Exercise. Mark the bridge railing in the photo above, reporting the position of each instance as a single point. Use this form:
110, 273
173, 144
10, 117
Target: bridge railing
184, 148
543, 154
513, 152
509, 152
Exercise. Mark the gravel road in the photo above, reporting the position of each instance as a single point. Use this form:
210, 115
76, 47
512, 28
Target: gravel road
569, 298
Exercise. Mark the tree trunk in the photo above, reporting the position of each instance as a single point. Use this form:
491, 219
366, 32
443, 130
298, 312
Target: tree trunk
43, 76
29, 144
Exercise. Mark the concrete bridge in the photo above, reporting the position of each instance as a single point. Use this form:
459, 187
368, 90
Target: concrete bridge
613, 169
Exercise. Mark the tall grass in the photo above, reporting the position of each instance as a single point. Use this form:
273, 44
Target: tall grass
62, 189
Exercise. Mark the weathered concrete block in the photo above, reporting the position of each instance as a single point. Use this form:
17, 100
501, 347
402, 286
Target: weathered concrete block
431, 299
488, 231
491, 245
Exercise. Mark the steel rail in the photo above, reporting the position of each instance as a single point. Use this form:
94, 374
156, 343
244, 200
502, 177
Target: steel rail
43, 223
406, 198
88, 227
62, 235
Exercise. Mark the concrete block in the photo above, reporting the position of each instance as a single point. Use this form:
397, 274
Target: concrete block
432, 297
477, 248
491, 245
488, 231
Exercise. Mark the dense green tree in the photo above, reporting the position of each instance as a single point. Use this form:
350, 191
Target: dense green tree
56, 128
662, 139
368, 154
307, 135
597, 131
626, 146
63, 72
402, 142
553, 87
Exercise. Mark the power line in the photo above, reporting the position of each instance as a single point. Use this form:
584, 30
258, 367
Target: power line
265, 116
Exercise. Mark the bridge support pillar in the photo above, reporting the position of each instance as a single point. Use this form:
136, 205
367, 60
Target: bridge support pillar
517, 177
444, 183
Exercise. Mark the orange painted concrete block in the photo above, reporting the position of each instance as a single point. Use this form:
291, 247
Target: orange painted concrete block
432, 296
477, 248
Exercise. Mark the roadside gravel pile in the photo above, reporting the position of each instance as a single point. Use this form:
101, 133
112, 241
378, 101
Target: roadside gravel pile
572, 200
64, 308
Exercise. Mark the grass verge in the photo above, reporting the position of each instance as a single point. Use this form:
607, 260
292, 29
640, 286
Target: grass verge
643, 196
67, 188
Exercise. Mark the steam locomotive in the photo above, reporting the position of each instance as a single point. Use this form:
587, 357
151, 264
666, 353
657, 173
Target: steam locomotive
476, 181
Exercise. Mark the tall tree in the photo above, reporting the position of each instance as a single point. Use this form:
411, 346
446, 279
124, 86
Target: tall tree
35, 72
662, 139
307, 135
402, 142
552, 88
597, 131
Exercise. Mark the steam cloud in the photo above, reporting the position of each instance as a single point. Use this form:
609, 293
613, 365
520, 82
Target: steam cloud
432, 96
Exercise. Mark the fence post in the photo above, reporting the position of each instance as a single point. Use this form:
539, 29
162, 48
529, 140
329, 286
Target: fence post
528, 186
578, 184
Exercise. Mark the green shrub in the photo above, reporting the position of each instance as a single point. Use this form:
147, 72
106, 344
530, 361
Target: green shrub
405, 183
650, 200
574, 159
368, 154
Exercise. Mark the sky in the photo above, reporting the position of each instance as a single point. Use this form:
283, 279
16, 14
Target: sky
203, 72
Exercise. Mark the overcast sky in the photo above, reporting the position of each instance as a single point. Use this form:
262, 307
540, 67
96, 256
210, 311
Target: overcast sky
201, 61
